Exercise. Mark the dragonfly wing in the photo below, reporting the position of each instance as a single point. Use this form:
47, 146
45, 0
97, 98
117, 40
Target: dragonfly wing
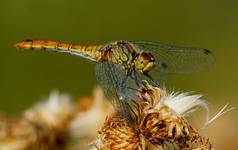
110, 77
178, 60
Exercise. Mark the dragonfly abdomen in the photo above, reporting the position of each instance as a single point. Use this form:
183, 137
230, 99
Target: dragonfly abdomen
91, 52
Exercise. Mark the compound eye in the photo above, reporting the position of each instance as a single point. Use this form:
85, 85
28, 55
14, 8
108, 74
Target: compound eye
146, 56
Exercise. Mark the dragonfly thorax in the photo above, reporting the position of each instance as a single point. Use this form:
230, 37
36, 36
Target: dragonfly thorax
144, 62
127, 55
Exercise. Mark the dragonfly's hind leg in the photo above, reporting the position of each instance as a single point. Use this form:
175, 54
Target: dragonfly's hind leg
127, 89
122, 88
136, 78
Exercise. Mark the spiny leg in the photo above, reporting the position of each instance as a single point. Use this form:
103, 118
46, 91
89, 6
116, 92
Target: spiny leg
136, 78
155, 83
122, 85
126, 85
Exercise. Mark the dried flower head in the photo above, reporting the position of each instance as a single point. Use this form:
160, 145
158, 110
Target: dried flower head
89, 116
155, 122
56, 124
163, 126
43, 127
117, 133
55, 112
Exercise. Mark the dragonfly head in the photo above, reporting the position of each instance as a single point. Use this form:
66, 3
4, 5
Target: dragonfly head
144, 62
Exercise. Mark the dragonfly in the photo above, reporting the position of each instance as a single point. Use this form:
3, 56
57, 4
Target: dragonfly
122, 65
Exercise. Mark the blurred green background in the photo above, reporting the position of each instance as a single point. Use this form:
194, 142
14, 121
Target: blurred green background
29, 76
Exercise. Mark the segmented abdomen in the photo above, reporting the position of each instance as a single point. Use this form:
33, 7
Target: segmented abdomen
91, 52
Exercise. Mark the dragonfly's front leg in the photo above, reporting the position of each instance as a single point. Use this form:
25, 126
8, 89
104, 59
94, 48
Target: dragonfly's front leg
153, 81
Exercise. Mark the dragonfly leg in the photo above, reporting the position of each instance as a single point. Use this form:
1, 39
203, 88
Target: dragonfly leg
126, 91
155, 83
130, 87
122, 87
135, 77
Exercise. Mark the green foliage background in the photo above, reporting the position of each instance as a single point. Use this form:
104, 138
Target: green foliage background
26, 77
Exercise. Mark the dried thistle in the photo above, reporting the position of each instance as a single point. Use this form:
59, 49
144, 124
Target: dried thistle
161, 125
43, 127
117, 133
155, 123
88, 118
55, 124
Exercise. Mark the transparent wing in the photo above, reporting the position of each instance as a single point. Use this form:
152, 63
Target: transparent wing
110, 77
173, 59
